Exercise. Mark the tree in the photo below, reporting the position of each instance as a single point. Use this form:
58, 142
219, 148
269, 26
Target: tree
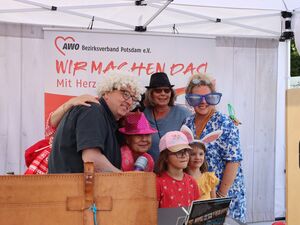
295, 60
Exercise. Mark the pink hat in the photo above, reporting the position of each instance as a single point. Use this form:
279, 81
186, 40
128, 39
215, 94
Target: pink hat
174, 141
136, 123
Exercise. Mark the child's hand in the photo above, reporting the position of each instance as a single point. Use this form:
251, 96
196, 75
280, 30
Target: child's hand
84, 100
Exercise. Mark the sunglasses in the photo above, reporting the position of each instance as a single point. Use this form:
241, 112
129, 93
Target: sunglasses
160, 90
182, 153
197, 81
211, 99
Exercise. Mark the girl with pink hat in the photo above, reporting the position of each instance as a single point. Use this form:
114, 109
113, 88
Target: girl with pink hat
138, 132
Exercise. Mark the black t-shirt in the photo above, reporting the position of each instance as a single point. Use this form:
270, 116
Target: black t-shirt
82, 128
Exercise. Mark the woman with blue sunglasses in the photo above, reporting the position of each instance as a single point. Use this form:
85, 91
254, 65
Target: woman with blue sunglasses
224, 155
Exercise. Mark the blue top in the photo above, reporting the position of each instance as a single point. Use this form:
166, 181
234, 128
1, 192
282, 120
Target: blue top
225, 149
172, 121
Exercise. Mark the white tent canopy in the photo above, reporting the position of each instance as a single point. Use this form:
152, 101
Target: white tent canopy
188, 17
21, 64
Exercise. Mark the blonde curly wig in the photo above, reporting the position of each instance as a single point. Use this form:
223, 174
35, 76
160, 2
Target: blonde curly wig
118, 80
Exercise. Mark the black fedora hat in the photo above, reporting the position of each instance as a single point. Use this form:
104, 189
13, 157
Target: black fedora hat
159, 79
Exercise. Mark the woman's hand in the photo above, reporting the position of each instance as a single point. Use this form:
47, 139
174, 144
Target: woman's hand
229, 175
82, 100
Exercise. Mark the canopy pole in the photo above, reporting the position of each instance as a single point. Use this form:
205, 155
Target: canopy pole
63, 10
96, 18
144, 27
217, 20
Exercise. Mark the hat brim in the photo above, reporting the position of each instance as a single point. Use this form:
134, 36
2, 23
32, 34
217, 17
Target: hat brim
169, 86
178, 148
137, 132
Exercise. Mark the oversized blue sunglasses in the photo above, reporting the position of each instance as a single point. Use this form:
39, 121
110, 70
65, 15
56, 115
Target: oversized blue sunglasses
211, 98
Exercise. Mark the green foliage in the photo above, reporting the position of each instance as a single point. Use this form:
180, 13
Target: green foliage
295, 60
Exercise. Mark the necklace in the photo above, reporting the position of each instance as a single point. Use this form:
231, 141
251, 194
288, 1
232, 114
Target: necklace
155, 120
158, 132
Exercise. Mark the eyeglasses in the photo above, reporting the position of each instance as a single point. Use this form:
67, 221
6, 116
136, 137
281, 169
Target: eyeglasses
160, 90
126, 95
211, 98
182, 153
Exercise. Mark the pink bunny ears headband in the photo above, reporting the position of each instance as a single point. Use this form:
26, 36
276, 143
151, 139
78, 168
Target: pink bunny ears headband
205, 140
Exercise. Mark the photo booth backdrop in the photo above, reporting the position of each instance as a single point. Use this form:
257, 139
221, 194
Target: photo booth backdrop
76, 61
250, 65
247, 74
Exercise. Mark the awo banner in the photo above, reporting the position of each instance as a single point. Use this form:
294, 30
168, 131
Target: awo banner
77, 61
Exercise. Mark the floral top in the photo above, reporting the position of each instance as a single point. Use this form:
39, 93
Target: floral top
172, 193
225, 149
206, 183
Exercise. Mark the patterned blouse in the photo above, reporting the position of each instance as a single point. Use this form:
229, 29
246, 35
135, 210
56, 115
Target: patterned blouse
225, 149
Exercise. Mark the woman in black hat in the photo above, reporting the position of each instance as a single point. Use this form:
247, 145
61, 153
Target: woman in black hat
161, 111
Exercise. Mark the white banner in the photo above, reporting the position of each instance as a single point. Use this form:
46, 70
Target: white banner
76, 61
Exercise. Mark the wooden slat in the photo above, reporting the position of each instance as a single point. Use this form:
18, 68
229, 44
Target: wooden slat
10, 129
243, 101
33, 73
265, 123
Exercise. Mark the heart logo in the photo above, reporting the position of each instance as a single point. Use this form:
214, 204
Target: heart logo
62, 39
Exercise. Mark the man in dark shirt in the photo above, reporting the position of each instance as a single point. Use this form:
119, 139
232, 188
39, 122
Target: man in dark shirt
90, 133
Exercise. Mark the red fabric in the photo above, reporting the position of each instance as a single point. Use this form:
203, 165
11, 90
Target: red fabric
173, 193
40, 164
33, 151
128, 160
36, 156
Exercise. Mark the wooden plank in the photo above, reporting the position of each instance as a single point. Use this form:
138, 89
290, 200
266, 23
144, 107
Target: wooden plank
224, 71
265, 123
21, 93
32, 95
11, 104
243, 102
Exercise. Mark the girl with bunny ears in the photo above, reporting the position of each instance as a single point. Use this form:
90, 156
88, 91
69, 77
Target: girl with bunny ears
198, 167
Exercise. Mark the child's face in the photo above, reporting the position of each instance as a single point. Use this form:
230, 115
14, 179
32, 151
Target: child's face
179, 160
196, 158
139, 143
